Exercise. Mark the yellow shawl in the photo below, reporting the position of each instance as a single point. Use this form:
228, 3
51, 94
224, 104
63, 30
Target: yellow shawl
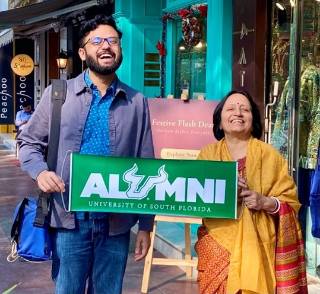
251, 239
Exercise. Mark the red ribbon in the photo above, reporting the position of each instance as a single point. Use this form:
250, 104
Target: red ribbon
183, 13
161, 48
203, 10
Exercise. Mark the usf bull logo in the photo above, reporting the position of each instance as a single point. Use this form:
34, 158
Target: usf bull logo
134, 181
140, 187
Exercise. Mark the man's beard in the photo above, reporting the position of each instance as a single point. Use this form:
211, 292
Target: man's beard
93, 65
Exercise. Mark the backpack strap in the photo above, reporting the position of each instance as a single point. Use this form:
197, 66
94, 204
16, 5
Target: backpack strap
58, 96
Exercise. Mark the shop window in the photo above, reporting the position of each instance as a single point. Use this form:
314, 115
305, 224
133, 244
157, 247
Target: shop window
284, 76
280, 46
295, 114
308, 126
191, 58
151, 70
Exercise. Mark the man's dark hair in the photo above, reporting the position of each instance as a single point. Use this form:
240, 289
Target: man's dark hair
93, 23
26, 103
256, 119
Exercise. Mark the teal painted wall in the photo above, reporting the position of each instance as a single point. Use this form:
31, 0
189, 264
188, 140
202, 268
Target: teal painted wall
140, 22
219, 49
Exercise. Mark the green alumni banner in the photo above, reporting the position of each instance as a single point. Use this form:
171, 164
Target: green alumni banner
153, 186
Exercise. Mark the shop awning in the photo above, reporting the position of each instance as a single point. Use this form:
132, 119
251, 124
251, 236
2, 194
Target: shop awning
46, 10
6, 36
39, 17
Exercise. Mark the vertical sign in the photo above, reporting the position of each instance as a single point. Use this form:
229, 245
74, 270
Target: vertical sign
244, 45
24, 90
6, 86
24, 84
249, 43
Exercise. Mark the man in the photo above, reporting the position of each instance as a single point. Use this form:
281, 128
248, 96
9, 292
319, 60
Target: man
101, 116
23, 115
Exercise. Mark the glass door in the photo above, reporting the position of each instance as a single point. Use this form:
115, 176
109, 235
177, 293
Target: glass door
191, 63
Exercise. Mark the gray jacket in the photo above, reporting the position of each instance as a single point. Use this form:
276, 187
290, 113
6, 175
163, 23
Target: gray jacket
129, 131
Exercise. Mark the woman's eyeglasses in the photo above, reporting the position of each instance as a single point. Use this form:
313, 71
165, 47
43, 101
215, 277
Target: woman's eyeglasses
96, 41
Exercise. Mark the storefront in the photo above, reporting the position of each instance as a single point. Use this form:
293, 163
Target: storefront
294, 109
202, 49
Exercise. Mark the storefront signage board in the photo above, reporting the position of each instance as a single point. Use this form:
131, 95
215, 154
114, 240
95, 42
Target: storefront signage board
6, 86
22, 65
180, 128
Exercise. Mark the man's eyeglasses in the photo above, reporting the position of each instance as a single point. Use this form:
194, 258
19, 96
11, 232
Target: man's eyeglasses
96, 41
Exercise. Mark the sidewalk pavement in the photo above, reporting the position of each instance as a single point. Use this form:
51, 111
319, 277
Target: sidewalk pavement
32, 278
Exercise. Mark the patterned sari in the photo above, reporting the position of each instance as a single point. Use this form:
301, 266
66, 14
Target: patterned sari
214, 259
240, 256
290, 260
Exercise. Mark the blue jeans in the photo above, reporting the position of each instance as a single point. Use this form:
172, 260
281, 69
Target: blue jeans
88, 252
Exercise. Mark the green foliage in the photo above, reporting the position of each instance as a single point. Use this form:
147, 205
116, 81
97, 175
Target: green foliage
10, 290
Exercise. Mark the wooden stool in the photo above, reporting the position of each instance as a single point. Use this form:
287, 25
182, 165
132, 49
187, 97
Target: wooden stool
188, 262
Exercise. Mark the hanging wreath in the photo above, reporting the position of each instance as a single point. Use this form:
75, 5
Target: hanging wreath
191, 31
191, 23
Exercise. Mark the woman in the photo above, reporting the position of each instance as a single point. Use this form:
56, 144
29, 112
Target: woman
262, 250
